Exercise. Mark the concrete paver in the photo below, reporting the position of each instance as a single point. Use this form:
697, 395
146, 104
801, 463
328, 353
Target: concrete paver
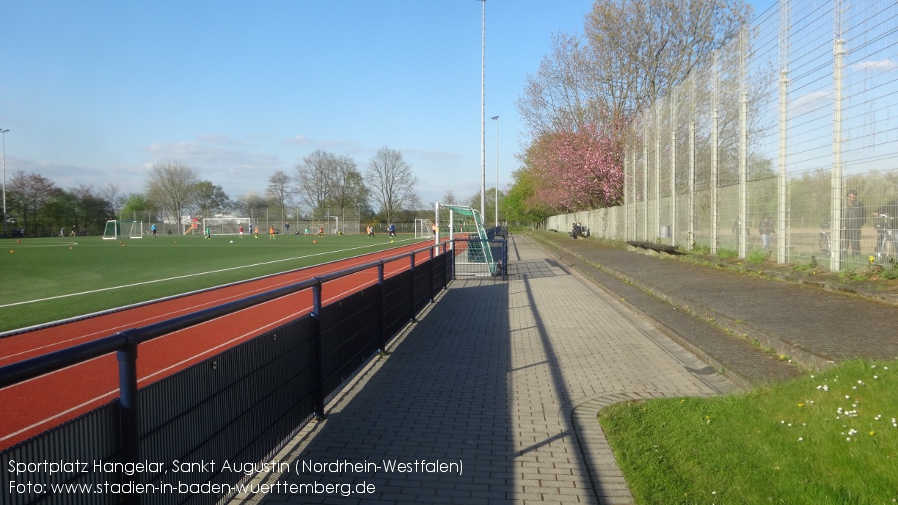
500, 383
813, 327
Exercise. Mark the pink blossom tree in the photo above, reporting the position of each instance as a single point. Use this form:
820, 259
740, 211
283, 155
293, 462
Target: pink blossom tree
577, 169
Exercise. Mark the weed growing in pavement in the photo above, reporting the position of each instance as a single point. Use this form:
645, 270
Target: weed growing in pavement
828, 437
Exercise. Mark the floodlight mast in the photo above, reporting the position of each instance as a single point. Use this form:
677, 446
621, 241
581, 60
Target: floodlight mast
483, 109
3, 134
496, 119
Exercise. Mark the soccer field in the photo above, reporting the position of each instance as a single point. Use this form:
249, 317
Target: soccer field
49, 279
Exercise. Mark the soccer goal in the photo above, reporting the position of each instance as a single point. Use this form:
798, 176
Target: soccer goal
423, 228
226, 225
116, 228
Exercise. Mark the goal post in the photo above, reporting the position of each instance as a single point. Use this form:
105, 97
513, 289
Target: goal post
423, 228
136, 229
226, 225
116, 228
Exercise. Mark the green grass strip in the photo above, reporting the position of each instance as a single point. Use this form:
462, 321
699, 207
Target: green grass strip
826, 438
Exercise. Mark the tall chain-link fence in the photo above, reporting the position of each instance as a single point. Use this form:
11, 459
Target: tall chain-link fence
786, 140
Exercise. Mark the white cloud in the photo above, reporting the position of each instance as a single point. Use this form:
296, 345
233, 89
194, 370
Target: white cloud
220, 139
875, 66
811, 101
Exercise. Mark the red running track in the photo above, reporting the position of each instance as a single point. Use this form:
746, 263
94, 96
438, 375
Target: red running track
36, 405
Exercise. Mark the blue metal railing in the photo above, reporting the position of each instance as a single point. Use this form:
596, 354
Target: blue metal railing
324, 348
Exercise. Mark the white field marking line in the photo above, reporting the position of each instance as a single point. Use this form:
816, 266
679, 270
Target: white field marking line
29, 246
155, 281
147, 377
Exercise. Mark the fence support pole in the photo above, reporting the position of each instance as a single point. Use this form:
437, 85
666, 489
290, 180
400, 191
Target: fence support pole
318, 350
430, 277
411, 289
381, 328
129, 422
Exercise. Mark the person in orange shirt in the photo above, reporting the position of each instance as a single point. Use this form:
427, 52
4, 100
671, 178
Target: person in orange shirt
271, 232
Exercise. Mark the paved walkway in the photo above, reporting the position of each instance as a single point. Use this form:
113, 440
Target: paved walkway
810, 326
492, 398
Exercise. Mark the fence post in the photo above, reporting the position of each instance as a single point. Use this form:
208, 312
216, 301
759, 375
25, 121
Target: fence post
430, 277
318, 351
504, 258
129, 424
837, 226
382, 304
411, 284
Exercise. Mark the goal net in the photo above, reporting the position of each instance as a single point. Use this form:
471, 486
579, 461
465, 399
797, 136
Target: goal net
423, 228
116, 228
226, 225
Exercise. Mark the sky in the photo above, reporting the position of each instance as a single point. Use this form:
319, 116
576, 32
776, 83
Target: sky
94, 93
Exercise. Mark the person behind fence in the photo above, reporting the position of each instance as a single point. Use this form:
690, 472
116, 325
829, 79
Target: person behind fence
853, 216
765, 228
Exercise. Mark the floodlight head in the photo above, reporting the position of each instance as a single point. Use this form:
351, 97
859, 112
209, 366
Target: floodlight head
495, 117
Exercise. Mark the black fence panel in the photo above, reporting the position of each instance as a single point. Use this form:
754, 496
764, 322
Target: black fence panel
78, 444
423, 285
349, 336
245, 400
397, 302
438, 272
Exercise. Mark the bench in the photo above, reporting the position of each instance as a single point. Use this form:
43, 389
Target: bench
651, 247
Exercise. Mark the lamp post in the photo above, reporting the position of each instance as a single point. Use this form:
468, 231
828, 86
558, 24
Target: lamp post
3, 134
496, 119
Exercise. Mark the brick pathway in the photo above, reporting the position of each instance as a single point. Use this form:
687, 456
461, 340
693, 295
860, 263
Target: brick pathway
500, 382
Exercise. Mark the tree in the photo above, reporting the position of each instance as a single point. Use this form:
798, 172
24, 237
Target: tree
90, 209
520, 204
136, 204
489, 205
631, 53
314, 179
391, 182
279, 189
111, 194
449, 198
348, 191
210, 198
29, 192
577, 170
172, 186
252, 205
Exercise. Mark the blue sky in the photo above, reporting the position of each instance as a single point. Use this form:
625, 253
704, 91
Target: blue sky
95, 92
